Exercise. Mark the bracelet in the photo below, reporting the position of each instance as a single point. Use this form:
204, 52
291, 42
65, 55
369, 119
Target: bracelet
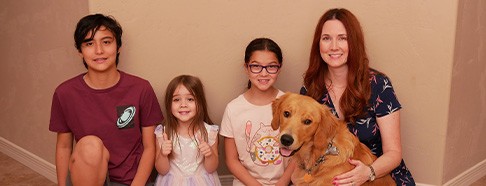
372, 174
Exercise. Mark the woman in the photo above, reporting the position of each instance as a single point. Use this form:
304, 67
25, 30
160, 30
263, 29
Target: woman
340, 77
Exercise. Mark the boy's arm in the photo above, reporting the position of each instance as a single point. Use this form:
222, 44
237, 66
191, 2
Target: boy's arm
234, 164
146, 163
64, 148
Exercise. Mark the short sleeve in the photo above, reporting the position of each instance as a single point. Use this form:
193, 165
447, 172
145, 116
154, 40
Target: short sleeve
159, 131
212, 133
57, 120
303, 90
226, 127
151, 113
384, 99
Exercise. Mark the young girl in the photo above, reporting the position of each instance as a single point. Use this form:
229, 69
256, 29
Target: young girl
252, 150
187, 150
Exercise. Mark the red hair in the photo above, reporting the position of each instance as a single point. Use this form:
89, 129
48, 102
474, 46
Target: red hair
356, 95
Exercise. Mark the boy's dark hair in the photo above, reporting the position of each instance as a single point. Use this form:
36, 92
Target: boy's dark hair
92, 23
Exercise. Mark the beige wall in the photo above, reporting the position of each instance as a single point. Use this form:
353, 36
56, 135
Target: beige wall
405, 39
467, 110
37, 49
412, 41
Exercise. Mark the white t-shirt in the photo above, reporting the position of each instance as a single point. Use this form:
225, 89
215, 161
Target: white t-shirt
256, 141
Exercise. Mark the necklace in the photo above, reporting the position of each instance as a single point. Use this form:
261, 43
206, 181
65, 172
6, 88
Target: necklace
331, 92
331, 87
331, 150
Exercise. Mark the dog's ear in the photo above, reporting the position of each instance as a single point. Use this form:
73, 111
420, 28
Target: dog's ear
326, 128
276, 113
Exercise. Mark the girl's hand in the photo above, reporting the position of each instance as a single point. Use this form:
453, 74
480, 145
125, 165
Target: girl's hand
166, 147
357, 176
204, 147
280, 183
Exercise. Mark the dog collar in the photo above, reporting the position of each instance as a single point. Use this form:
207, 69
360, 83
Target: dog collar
331, 150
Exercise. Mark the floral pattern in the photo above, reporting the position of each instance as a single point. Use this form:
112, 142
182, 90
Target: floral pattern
383, 101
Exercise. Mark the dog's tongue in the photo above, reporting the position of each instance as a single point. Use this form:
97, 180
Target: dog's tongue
285, 152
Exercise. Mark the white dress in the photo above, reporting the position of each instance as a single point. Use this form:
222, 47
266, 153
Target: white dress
186, 167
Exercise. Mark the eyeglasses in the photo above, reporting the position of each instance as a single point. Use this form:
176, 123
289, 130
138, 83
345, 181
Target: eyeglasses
271, 69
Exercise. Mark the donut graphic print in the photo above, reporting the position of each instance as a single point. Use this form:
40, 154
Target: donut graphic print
263, 145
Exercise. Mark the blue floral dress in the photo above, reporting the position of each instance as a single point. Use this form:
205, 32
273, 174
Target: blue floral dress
383, 101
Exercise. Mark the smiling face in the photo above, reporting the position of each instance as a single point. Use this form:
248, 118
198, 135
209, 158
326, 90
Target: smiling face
333, 44
183, 105
100, 52
300, 119
263, 80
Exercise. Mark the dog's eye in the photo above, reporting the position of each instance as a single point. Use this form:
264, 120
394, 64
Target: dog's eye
286, 114
307, 122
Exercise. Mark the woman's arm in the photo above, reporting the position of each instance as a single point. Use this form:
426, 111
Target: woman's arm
146, 163
234, 164
391, 158
392, 148
64, 148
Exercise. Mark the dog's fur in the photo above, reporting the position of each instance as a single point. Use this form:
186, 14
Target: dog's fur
312, 127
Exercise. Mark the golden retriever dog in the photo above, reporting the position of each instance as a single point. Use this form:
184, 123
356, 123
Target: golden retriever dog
320, 144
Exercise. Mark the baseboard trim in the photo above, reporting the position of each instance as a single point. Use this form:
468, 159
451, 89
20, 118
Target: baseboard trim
423, 184
226, 180
30, 160
469, 176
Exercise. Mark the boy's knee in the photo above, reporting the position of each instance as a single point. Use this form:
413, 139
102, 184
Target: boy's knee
90, 150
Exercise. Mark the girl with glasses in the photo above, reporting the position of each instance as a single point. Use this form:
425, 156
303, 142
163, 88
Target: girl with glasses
251, 146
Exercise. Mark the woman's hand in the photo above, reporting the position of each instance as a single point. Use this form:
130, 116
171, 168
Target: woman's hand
359, 175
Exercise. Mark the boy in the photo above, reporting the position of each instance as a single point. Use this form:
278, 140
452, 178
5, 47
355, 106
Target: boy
110, 114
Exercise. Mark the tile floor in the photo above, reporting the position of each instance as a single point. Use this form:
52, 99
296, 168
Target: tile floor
480, 182
15, 173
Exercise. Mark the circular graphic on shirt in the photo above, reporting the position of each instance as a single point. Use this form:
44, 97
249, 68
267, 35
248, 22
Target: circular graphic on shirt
125, 117
267, 150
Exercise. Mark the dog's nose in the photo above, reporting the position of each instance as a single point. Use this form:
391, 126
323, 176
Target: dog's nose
286, 140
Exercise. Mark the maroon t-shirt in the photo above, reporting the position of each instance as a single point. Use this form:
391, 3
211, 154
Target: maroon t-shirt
115, 115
